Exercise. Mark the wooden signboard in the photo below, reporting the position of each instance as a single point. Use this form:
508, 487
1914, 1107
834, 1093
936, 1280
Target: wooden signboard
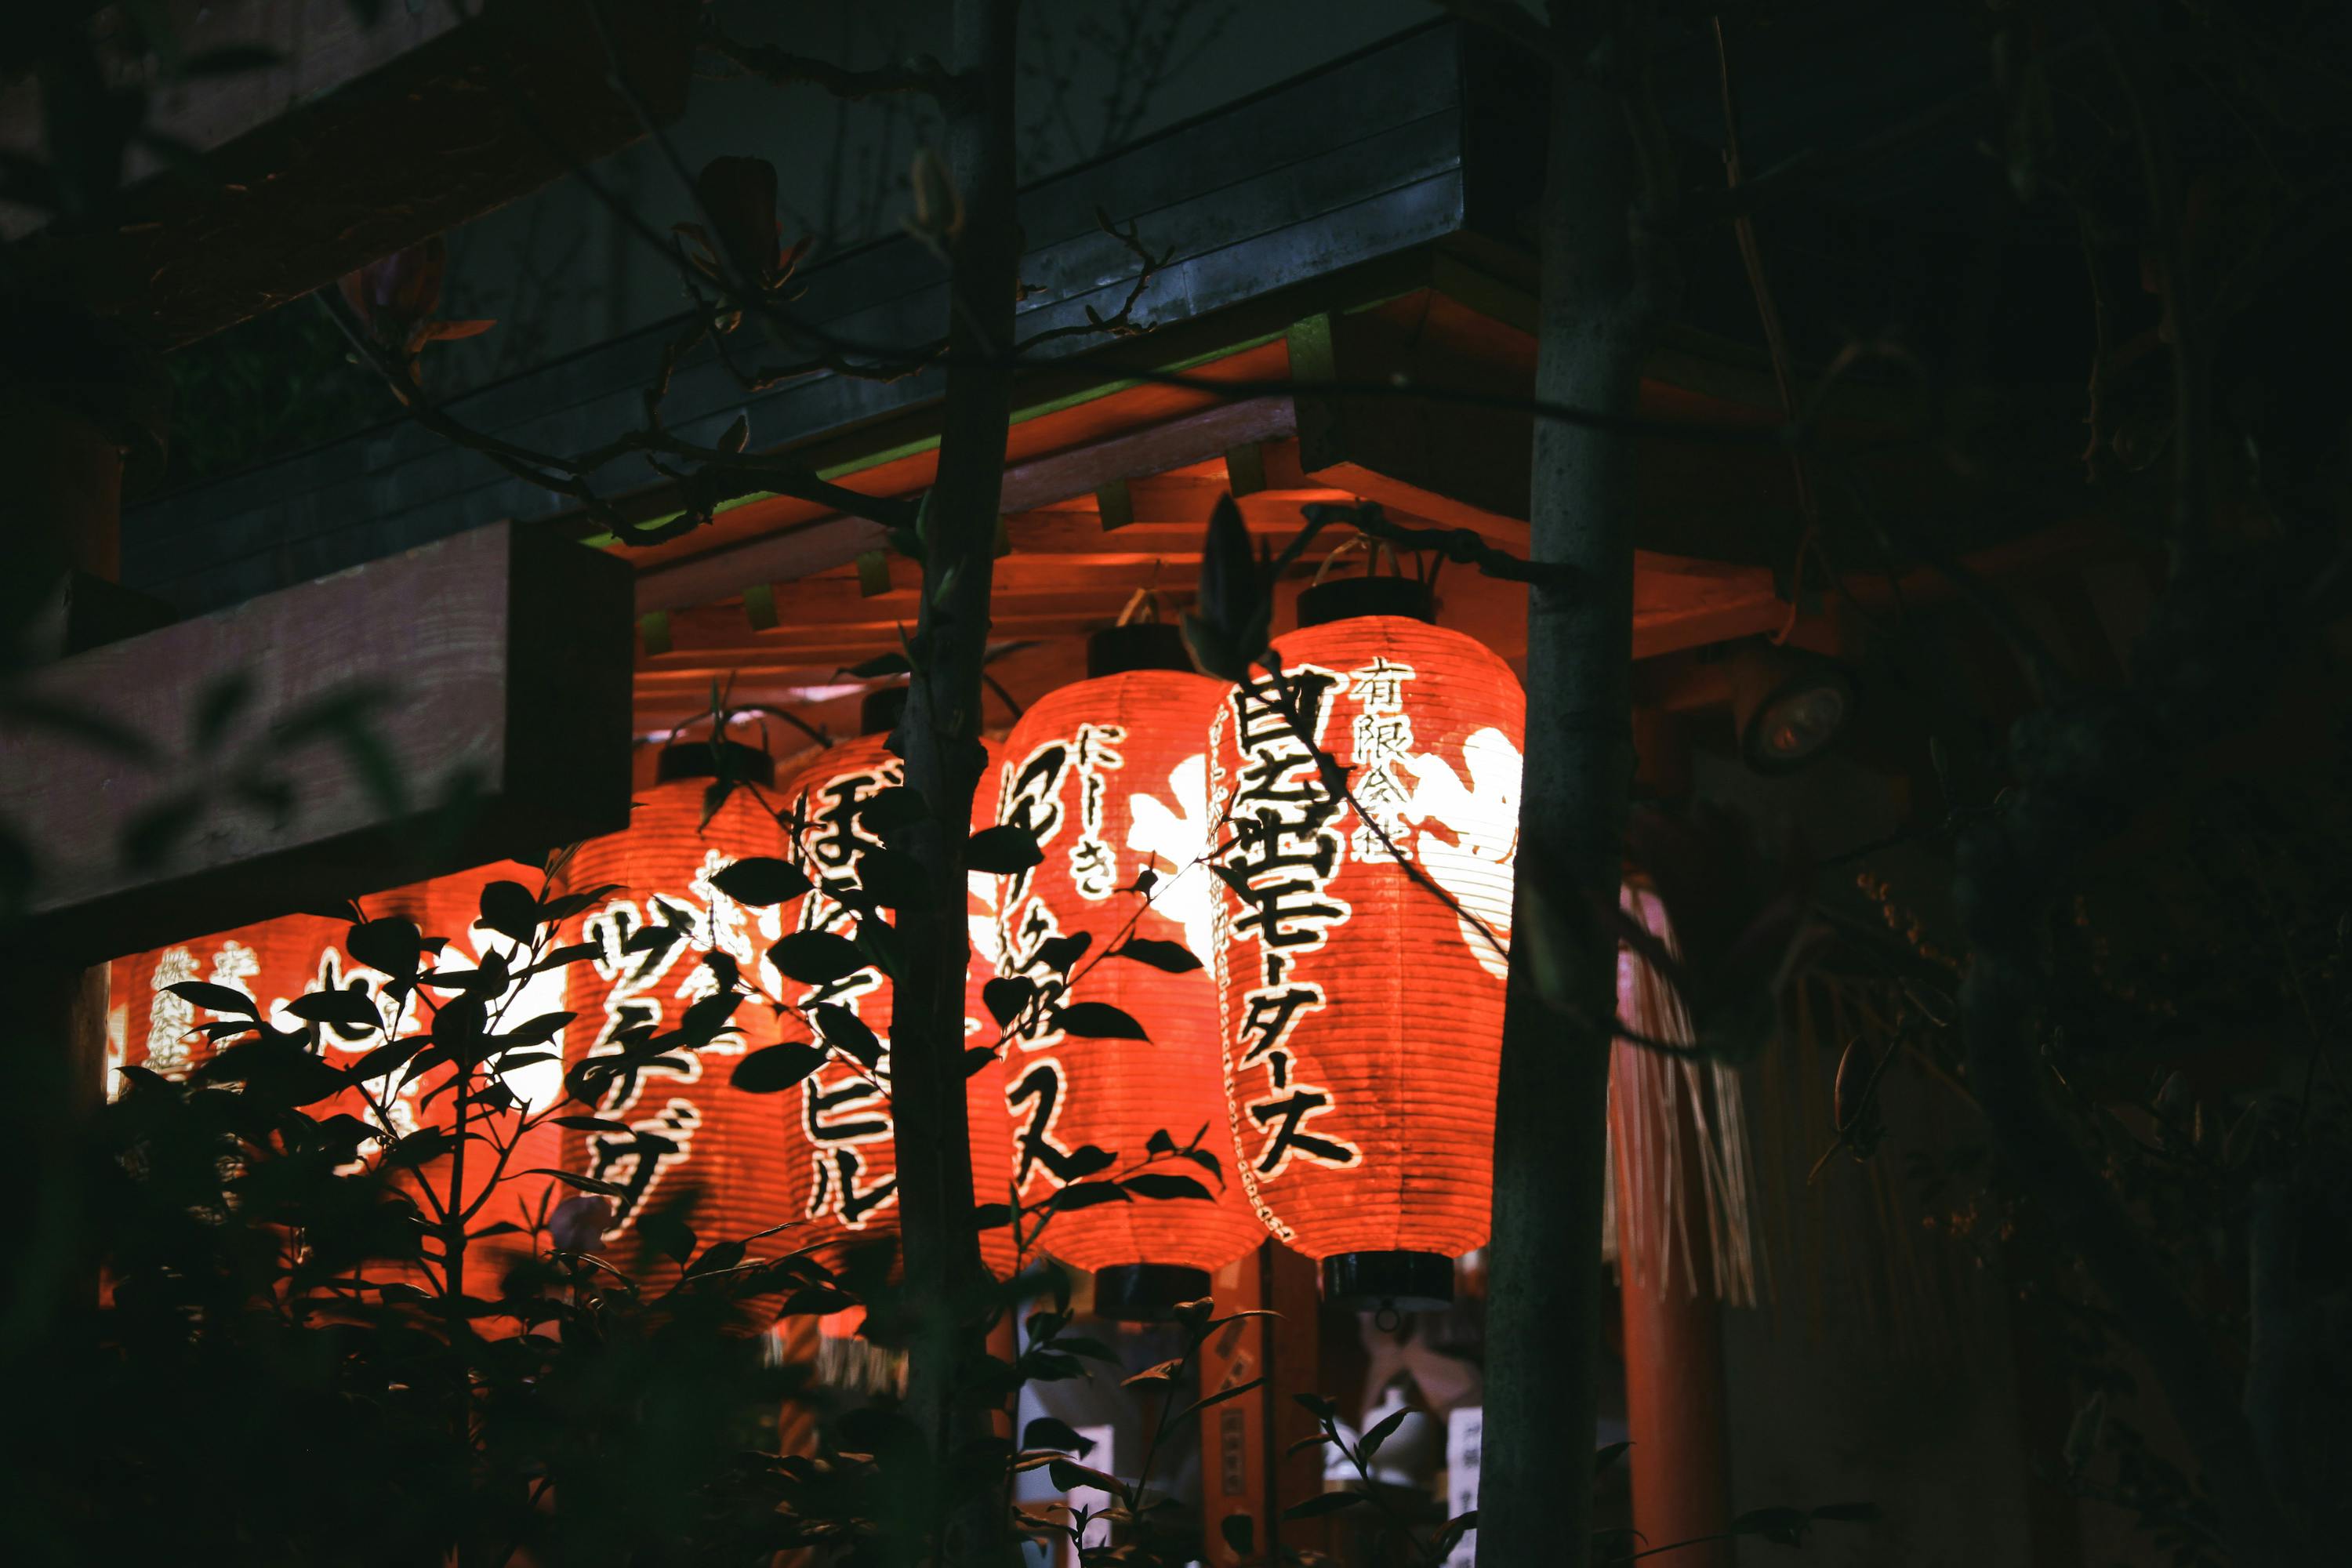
461, 702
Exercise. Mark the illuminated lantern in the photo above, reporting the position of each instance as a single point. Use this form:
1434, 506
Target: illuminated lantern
691, 1138
1110, 776
274, 962
842, 1186
1361, 1013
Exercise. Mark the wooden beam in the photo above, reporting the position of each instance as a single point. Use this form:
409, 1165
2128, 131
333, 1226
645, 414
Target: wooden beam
431, 137
488, 673
831, 541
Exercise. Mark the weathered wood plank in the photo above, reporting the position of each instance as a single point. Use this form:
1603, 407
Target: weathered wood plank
491, 671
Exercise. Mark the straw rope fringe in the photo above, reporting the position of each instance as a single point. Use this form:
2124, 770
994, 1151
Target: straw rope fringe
1678, 1144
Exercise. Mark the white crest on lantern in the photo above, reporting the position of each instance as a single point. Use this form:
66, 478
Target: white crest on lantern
1176, 832
1482, 819
536, 1084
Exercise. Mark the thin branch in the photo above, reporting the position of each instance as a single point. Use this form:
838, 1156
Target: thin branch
1461, 545
568, 475
1120, 323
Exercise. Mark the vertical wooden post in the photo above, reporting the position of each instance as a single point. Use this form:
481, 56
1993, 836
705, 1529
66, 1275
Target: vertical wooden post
1247, 1465
1674, 1405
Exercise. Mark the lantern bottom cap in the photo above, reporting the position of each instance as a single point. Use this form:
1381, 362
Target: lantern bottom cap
1398, 1282
1146, 1292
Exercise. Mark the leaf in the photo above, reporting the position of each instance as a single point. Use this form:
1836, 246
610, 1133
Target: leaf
1173, 957
760, 881
585, 1183
1162, 1185
880, 665
590, 1123
666, 1234
773, 1068
1099, 1021
354, 1007
976, 1059
844, 1031
1160, 1375
1060, 953
1047, 1432
393, 946
536, 1031
1069, 1476
731, 440
509, 910
1087, 1159
1240, 1532
444, 331
1087, 1194
1314, 1405
1236, 1392
1382, 1431
214, 998
387, 1058
817, 957
1006, 997
1327, 1503
1453, 1530
718, 1257
1784, 1525
1607, 1454
899, 805
1003, 851
1312, 1439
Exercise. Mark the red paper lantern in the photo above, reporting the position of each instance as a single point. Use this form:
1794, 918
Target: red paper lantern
843, 1184
1110, 776
692, 1138
277, 960
1362, 1014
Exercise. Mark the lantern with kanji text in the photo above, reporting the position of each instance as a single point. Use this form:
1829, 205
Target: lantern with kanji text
1367, 779
1114, 1062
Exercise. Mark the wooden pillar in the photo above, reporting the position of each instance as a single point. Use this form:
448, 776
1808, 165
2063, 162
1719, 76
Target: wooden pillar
1673, 1379
1675, 1415
1246, 1467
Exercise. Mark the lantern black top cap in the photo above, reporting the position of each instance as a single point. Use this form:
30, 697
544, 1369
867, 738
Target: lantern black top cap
1344, 598
701, 760
1139, 645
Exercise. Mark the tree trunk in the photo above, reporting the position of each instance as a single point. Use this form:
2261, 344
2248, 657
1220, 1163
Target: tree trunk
939, 736
1544, 1309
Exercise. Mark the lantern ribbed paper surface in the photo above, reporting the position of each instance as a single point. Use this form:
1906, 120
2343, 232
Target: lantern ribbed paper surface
1361, 1015
1111, 776
844, 1178
693, 1139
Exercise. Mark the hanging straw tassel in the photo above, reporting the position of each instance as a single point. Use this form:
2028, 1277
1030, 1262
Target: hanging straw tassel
1679, 1143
